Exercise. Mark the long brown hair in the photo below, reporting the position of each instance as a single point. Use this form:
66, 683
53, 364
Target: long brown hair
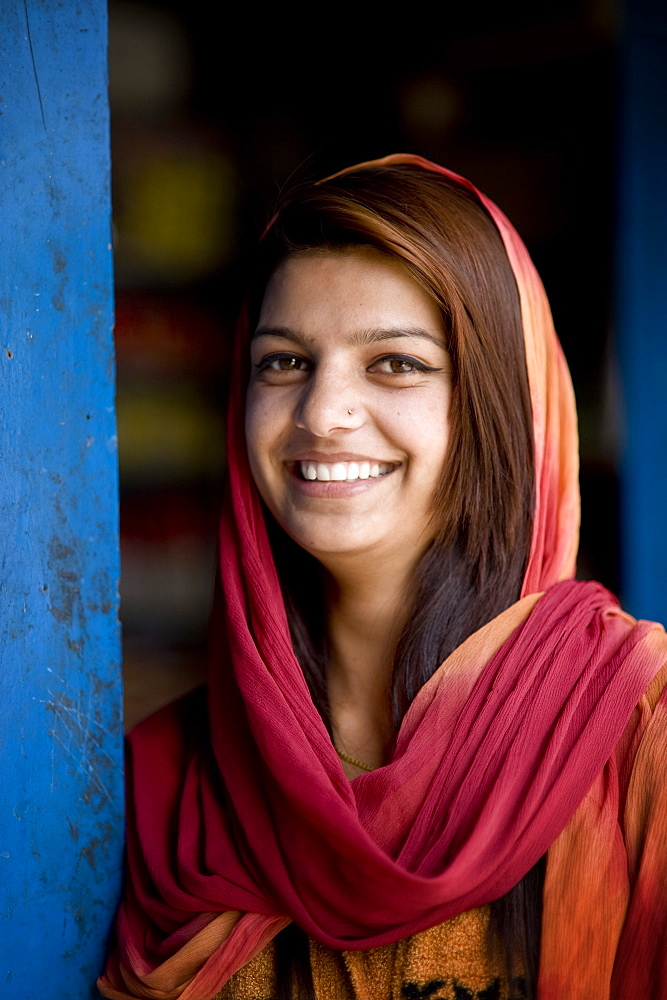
484, 505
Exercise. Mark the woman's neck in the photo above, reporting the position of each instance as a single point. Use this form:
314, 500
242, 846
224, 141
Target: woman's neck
365, 618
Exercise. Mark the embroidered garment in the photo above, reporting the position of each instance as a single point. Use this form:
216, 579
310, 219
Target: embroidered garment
241, 819
449, 962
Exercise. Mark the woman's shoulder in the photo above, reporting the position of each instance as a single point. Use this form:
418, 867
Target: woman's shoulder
649, 747
657, 692
164, 736
648, 718
640, 753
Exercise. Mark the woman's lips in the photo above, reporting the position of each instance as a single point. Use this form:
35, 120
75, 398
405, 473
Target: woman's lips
344, 477
343, 472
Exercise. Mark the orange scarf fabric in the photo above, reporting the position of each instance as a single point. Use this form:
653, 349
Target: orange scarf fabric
240, 817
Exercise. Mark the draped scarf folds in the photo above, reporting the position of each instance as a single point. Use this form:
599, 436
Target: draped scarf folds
240, 818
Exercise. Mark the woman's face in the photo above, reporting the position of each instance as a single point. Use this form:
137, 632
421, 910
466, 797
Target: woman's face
347, 407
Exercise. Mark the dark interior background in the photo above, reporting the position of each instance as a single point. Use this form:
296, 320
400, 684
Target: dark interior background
213, 113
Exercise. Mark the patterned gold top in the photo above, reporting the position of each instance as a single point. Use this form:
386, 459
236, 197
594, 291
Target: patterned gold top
453, 961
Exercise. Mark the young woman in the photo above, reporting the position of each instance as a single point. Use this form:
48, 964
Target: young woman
428, 763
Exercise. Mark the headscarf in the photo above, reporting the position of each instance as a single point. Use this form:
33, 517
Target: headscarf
240, 817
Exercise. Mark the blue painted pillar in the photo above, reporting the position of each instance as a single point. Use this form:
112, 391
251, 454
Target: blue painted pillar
641, 317
60, 713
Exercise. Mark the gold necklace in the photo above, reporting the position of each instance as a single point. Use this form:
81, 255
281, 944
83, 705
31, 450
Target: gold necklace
353, 760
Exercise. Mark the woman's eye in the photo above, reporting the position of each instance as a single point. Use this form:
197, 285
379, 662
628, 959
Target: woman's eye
282, 363
399, 365
285, 364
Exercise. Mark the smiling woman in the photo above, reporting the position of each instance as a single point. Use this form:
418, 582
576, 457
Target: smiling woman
427, 761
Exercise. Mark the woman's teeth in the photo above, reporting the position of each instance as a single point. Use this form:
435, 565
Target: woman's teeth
344, 472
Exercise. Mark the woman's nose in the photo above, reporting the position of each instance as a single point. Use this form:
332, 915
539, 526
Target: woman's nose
328, 404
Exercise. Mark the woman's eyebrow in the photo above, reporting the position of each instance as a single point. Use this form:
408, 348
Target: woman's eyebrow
359, 339
381, 334
284, 332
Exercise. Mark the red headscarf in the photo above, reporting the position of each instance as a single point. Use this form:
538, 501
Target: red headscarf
240, 818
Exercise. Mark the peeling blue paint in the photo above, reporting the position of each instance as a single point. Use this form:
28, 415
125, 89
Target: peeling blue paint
60, 738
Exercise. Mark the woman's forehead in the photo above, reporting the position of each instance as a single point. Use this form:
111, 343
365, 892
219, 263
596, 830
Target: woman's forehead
359, 291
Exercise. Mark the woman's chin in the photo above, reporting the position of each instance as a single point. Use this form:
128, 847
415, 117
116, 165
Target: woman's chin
345, 547
355, 552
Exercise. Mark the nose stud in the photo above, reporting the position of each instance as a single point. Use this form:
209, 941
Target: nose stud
350, 412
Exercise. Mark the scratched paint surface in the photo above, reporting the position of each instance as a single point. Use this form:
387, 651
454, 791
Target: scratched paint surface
60, 726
